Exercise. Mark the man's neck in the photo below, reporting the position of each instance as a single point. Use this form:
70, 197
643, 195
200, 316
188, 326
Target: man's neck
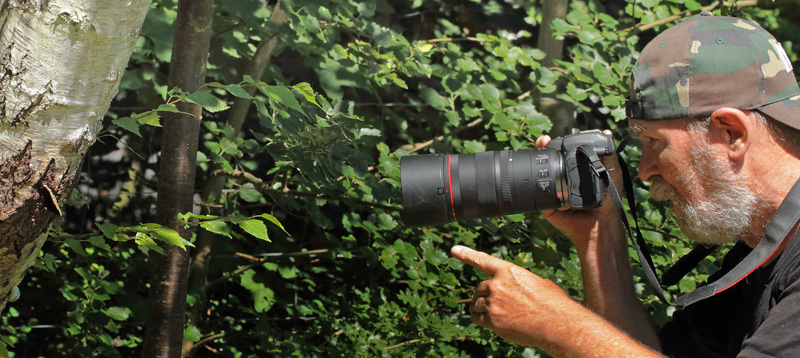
774, 173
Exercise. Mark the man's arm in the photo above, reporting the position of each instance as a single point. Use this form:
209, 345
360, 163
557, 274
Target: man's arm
599, 239
529, 310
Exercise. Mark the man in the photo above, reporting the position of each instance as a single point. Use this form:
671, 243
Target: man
716, 106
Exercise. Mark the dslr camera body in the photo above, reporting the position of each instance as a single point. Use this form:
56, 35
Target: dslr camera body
442, 188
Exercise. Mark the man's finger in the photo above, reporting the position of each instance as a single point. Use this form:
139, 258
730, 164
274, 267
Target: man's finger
480, 260
542, 141
480, 305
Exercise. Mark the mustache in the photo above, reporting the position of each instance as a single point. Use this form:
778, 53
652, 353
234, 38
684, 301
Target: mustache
661, 190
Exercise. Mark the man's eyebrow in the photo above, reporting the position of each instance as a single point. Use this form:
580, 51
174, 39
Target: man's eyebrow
635, 130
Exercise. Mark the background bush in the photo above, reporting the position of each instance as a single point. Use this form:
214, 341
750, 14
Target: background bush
351, 87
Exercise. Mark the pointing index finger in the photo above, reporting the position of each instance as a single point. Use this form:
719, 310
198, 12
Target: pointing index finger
480, 260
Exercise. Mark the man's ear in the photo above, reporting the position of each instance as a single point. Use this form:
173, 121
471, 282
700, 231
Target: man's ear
732, 128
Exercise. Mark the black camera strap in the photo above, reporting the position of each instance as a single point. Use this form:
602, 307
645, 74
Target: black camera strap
779, 227
785, 218
637, 240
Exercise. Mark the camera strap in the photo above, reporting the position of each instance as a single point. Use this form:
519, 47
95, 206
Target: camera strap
642, 252
785, 219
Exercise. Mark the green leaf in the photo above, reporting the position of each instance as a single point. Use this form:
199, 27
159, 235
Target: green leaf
168, 107
249, 194
275, 221
151, 118
288, 272
238, 91
170, 236
468, 65
229, 147
217, 227
370, 132
75, 246
324, 13
263, 297
117, 313
256, 228
687, 285
305, 89
282, 95
129, 124
603, 74
145, 240
99, 241
433, 98
474, 146
192, 333
108, 230
208, 101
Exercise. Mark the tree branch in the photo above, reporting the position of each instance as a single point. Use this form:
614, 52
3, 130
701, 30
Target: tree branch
426, 144
258, 261
641, 28
293, 193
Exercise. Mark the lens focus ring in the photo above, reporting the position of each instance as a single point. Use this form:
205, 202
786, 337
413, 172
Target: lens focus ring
505, 179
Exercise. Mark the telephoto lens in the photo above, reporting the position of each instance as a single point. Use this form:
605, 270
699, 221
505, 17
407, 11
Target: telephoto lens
441, 188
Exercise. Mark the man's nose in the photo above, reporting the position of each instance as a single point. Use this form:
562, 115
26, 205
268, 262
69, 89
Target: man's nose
648, 166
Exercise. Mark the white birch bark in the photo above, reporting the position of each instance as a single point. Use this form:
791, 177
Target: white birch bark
60, 66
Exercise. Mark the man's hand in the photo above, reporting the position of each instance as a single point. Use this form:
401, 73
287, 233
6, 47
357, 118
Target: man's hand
516, 304
529, 310
582, 226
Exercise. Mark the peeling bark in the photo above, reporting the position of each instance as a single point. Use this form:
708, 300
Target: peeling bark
60, 66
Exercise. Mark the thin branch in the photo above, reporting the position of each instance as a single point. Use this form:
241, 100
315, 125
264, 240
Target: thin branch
210, 338
293, 193
403, 344
426, 144
234, 273
258, 261
452, 39
283, 254
641, 28
207, 339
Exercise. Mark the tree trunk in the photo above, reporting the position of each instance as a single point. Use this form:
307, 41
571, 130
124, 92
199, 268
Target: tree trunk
561, 114
164, 331
216, 182
60, 66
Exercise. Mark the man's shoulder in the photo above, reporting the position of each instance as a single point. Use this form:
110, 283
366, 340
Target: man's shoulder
787, 266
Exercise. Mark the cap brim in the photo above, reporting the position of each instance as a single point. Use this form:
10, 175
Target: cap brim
786, 111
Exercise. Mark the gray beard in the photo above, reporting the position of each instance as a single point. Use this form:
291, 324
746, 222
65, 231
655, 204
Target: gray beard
731, 211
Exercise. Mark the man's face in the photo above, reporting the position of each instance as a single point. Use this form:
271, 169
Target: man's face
708, 197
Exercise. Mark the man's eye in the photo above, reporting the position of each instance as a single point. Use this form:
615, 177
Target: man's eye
650, 139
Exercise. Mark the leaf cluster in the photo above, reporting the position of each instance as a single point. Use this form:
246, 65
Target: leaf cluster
309, 255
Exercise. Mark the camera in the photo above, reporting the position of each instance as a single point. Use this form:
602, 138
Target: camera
442, 188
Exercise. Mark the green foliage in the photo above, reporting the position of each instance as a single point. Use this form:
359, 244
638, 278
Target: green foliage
310, 256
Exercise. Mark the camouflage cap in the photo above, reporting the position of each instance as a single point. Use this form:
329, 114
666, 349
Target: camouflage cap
707, 62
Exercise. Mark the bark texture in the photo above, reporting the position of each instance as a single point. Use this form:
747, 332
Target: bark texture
561, 113
176, 176
213, 187
60, 66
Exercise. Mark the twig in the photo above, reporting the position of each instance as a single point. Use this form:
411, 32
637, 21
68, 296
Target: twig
403, 344
207, 339
293, 193
236, 272
426, 144
668, 19
452, 39
288, 254
258, 261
